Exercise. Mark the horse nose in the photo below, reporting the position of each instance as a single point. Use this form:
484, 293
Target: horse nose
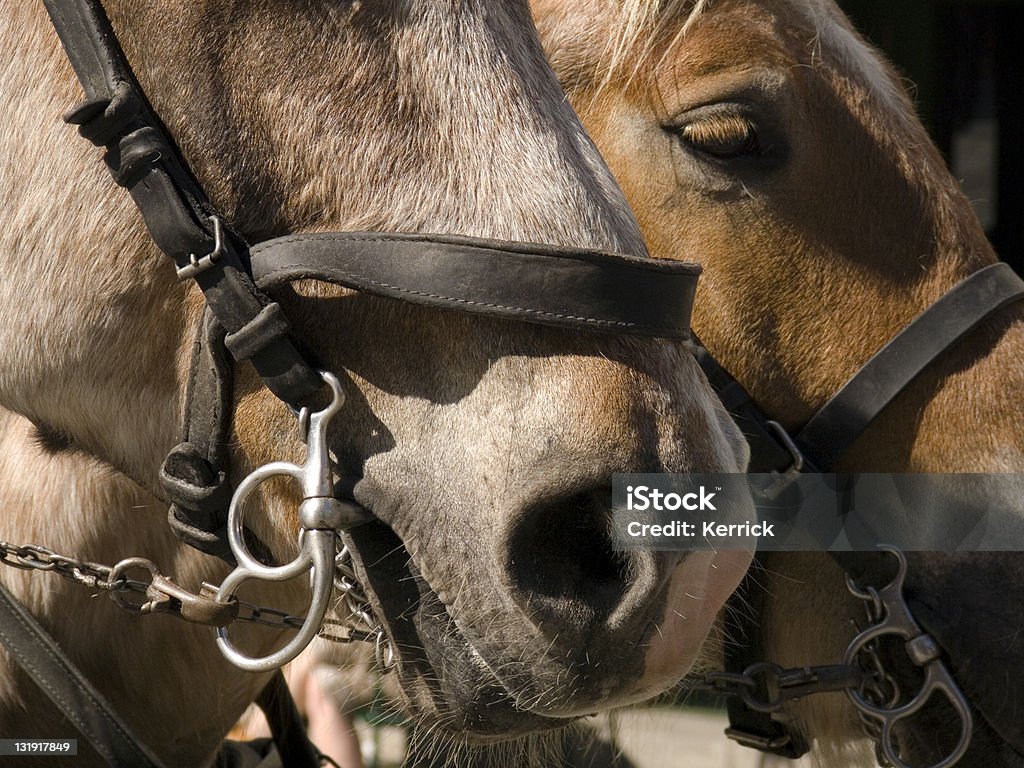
567, 576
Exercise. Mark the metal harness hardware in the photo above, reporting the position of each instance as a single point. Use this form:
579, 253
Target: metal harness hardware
321, 516
767, 688
198, 264
879, 704
786, 477
162, 595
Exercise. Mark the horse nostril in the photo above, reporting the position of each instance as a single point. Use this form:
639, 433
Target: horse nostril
560, 557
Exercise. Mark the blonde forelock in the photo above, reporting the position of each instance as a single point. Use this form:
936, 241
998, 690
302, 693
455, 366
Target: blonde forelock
639, 28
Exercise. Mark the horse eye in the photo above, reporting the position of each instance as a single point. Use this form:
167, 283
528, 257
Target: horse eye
725, 137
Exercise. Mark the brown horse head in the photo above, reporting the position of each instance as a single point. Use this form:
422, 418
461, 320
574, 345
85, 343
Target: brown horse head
767, 140
484, 447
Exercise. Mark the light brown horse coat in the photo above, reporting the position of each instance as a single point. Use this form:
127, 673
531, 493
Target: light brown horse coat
327, 116
767, 140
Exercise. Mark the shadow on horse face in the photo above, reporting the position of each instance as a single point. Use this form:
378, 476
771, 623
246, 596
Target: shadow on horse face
484, 447
486, 451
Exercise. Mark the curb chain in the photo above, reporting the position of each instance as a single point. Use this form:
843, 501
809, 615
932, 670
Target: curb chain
767, 687
159, 594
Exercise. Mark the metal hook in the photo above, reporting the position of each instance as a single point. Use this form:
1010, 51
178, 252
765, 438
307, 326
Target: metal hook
197, 264
895, 619
321, 515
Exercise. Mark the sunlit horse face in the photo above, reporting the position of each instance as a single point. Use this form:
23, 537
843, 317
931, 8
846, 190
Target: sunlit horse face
486, 446
767, 140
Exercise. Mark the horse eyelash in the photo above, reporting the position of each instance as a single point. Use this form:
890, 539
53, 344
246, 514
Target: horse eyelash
719, 131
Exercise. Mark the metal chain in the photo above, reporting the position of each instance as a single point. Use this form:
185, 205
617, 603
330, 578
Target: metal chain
34, 557
161, 595
358, 607
767, 687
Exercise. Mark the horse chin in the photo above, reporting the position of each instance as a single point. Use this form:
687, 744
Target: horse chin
445, 682
478, 687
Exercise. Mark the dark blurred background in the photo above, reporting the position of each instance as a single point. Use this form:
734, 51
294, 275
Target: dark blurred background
965, 62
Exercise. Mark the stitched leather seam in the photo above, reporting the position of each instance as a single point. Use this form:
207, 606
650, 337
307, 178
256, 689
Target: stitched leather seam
69, 711
635, 262
332, 271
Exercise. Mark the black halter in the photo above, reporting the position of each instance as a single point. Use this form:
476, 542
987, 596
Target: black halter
830, 432
823, 441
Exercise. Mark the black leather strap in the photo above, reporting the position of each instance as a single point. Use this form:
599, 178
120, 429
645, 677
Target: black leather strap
63, 683
834, 428
533, 283
286, 725
768, 452
566, 287
143, 158
758, 730
194, 474
749, 727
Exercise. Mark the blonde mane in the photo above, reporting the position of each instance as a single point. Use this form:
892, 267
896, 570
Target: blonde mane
640, 25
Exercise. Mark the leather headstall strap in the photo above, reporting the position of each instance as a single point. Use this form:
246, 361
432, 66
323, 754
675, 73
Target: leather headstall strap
763, 731
768, 450
826, 438
851, 410
143, 159
194, 474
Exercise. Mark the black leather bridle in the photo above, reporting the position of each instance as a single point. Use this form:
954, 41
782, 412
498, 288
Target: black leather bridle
569, 288
565, 287
832, 430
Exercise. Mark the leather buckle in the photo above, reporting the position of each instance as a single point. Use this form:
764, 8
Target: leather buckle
784, 479
197, 264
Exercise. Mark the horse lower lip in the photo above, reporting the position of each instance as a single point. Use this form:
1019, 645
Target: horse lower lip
399, 596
